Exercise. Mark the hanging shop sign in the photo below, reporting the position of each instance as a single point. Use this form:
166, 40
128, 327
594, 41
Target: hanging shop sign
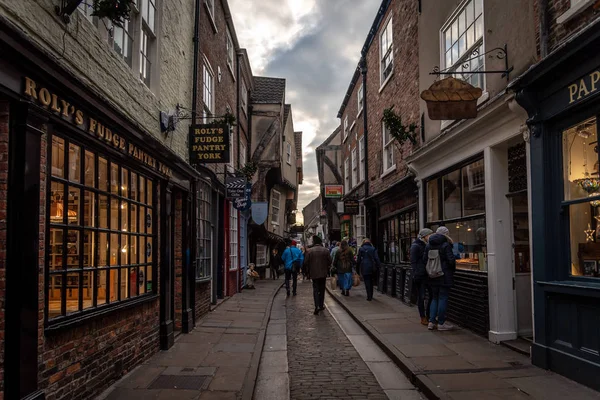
334, 191
451, 99
260, 211
71, 113
236, 187
351, 207
244, 203
209, 144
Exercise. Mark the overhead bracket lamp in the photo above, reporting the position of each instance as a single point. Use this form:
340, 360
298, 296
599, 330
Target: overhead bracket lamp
170, 119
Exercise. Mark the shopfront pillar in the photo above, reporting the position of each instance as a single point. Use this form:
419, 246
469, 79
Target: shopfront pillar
499, 246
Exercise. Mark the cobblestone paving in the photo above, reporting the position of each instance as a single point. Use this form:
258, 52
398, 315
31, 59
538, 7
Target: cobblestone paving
323, 364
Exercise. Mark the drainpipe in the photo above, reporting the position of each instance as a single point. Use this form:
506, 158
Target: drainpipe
195, 63
543, 28
363, 71
238, 106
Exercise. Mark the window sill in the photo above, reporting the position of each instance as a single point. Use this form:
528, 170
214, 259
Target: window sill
578, 287
211, 18
203, 280
234, 269
388, 171
574, 11
384, 84
70, 321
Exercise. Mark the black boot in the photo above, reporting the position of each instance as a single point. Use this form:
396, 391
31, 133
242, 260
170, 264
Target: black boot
316, 311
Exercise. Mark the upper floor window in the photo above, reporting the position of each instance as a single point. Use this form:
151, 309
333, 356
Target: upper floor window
361, 156
207, 91
462, 38
87, 10
230, 51
360, 98
145, 63
347, 179
210, 4
122, 41
386, 46
148, 10
275, 206
388, 149
345, 127
354, 168
288, 153
244, 95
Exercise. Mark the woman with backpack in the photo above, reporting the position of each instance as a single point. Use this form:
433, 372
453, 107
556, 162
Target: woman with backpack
368, 263
419, 273
343, 262
440, 265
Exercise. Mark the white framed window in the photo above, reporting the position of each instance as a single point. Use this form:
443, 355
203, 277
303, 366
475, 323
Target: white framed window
147, 44
359, 225
288, 153
345, 127
354, 168
204, 232
386, 46
87, 9
148, 11
145, 63
360, 98
230, 52
361, 159
231, 149
388, 149
233, 238
244, 99
210, 5
208, 83
462, 43
261, 254
121, 40
275, 206
347, 175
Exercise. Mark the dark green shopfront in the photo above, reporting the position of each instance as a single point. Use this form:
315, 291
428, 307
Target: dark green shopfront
562, 97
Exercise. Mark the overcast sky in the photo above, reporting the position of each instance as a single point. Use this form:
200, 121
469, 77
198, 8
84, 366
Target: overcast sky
315, 45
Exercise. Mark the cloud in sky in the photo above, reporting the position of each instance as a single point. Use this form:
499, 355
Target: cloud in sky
315, 45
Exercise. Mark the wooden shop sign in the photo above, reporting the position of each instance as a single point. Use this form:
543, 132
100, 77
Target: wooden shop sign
351, 207
451, 99
71, 112
209, 144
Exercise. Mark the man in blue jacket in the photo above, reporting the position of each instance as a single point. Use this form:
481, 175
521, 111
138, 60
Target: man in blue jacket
367, 264
292, 259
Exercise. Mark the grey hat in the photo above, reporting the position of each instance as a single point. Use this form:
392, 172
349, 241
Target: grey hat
442, 230
424, 232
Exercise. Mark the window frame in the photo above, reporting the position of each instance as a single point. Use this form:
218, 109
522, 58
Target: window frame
347, 179
288, 153
123, 231
230, 52
360, 100
262, 248
360, 224
469, 52
86, 10
387, 148
275, 221
346, 128
389, 52
208, 108
233, 238
244, 99
354, 168
204, 232
127, 33
361, 158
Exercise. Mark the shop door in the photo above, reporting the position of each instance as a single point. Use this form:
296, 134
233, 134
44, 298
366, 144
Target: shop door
167, 293
522, 264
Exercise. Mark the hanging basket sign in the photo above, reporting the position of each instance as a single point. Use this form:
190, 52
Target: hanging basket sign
451, 99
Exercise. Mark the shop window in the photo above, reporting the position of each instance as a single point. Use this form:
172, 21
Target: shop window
99, 249
398, 234
261, 254
233, 238
204, 232
582, 197
457, 200
275, 206
462, 43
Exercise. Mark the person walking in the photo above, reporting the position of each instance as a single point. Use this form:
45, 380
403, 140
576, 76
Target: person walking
439, 251
317, 262
419, 273
274, 263
292, 261
367, 263
343, 262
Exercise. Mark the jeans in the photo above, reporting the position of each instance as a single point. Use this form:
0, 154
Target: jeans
368, 279
439, 304
423, 287
319, 292
274, 272
345, 280
291, 275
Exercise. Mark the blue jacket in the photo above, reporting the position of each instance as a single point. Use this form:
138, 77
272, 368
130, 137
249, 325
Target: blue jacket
290, 255
417, 262
367, 259
440, 242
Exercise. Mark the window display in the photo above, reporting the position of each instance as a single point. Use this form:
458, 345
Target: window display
93, 246
398, 234
203, 231
582, 196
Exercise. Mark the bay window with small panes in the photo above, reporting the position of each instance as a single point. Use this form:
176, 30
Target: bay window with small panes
456, 200
101, 235
398, 234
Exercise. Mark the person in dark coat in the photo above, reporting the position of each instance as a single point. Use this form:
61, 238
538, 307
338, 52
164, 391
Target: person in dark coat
367, 263
419, 273
317, 261
440, 286
274, 263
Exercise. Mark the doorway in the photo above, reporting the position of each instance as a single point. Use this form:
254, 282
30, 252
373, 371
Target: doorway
522, 263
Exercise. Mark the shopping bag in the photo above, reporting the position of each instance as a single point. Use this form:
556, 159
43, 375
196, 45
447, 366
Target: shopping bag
355, 280
333, 282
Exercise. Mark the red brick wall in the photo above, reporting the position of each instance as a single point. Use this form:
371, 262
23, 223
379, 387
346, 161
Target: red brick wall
178, 249
558, 33
202, 299
4, 122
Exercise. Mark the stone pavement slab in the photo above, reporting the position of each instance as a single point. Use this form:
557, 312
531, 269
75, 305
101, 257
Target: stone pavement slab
456, 364
218, 360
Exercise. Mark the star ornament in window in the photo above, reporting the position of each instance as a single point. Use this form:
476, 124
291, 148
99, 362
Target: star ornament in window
589, 234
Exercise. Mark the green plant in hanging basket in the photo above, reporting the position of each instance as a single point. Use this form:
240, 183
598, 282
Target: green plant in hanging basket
116, 11
399, 132
249, 170
228, 119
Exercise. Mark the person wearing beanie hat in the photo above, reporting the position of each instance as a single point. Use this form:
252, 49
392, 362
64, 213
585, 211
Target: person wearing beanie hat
419, 273
439, 250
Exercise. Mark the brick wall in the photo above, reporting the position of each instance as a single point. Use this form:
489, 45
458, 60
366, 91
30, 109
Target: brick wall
202, 299
4, 123
558, 33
